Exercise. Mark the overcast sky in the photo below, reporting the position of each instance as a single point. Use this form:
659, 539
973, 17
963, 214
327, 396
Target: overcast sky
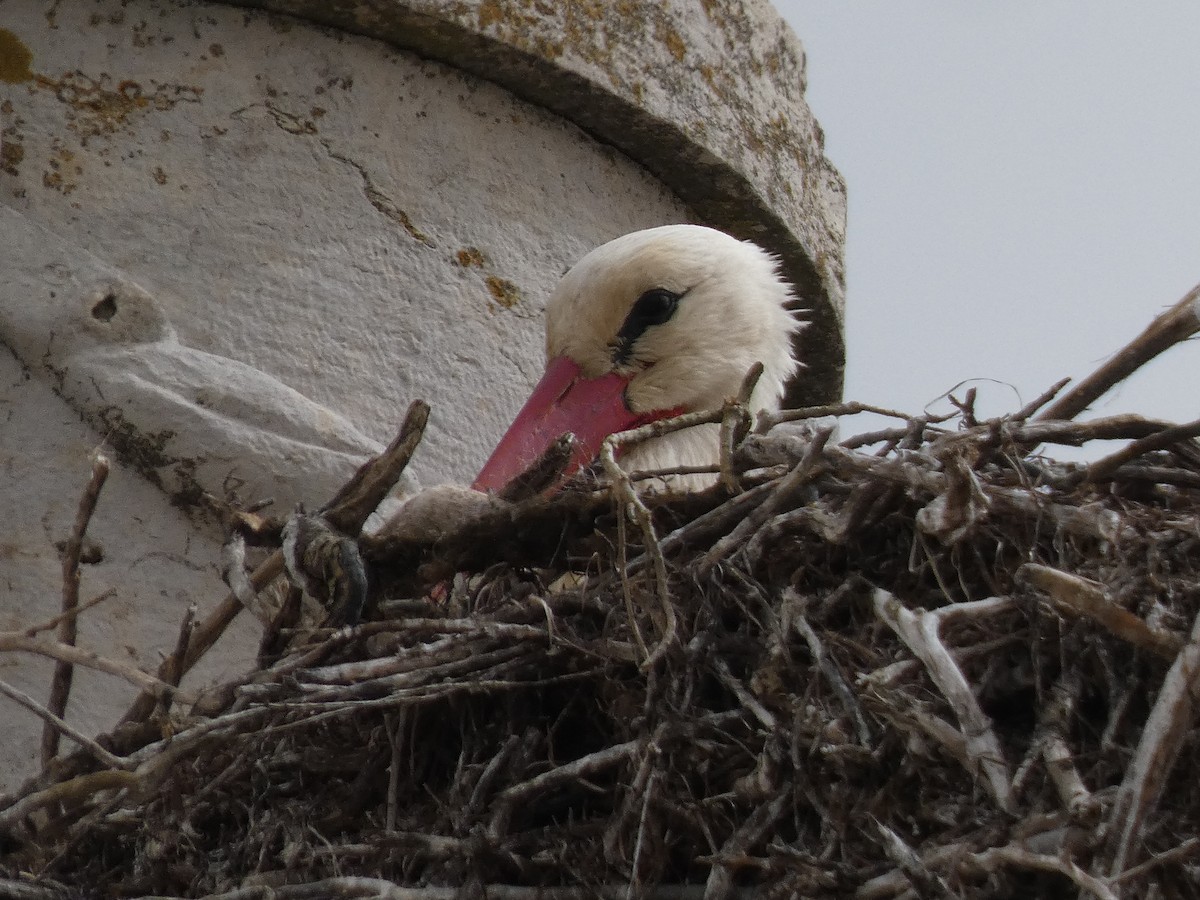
1024, 191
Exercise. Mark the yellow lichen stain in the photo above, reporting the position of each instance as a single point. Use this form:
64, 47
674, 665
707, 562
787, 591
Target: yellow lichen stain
490, 12
523, 24
15, 58
470, 256
97, 108
503, 291
673, 42
63, 170
11, 156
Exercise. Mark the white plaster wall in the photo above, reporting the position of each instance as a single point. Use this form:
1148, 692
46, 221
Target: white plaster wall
298, 200
297, 233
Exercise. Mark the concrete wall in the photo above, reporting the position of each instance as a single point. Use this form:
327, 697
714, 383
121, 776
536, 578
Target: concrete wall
234, 244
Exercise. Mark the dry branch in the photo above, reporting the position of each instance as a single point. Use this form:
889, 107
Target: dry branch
919, 631
1080, 597
1177, 324
60, 684
1172, 717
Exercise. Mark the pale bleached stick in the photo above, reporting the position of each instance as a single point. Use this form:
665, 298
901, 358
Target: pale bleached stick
17, 642
1015, 855
919, 631
102, 756
1173, 716
1080, 597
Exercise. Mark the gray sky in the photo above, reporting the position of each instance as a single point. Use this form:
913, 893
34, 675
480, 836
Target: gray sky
1024, 191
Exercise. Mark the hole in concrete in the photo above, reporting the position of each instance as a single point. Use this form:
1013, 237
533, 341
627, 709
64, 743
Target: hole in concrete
105, 308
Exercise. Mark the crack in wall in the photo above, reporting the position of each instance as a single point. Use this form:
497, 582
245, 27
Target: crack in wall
378, 198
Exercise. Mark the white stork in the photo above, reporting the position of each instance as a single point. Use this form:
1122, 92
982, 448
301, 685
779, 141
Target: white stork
651, 325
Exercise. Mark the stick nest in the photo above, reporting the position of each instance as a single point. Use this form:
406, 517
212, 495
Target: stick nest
920, 662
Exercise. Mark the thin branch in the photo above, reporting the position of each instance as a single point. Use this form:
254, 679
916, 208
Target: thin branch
1173, 716
919, 631
1080, 597
53, 721
1177, 324
60, 684
784, 491
735, 425
16, 642
1168, 437
628, 500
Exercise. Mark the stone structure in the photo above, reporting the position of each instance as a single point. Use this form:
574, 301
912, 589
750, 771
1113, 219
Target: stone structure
236, 242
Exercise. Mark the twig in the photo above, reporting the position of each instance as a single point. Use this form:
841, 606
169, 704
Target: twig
1039, 401
735, 424
395, 733
72, 790
1080, 597
25, 890
34, 630
1014, 855
919, 631
908, 861
60, 684
750, 832
704, 527
53, 721
16, 642
629, 501
768, 420
1176, 854
1168, 437
783, 491
508, 799
1177, 324
1173, 716
627, 583
173, 673
831, 671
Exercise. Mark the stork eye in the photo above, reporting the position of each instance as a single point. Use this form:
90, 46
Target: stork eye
652, 308
655, 307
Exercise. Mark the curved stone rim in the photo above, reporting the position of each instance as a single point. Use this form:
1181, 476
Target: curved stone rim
721, 193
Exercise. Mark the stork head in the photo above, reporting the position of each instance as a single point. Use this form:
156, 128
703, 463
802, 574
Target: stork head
650, 325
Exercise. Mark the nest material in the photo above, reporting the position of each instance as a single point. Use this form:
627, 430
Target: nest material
945, 667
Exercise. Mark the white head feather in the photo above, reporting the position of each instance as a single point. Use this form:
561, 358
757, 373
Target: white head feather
732, 312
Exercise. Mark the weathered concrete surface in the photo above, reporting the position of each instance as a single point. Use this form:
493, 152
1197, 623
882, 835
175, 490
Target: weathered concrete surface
234, 246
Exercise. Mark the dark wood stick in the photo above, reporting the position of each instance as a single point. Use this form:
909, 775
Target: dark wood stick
1177, 324
60, 684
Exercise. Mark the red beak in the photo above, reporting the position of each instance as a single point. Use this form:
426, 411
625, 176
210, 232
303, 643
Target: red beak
562, 402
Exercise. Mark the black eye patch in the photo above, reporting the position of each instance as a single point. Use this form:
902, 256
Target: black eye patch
654, 307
